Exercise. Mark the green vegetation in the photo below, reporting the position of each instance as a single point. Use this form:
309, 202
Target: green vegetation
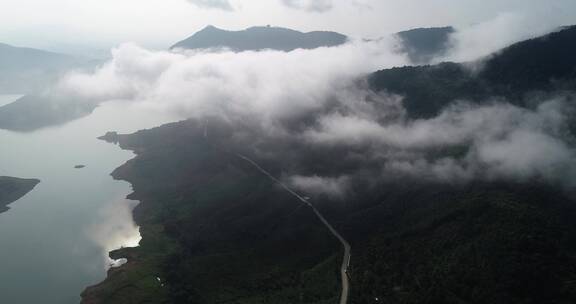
529, 68
215, 231
486, 243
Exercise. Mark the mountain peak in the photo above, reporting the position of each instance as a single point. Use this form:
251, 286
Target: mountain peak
210, 27
259, 38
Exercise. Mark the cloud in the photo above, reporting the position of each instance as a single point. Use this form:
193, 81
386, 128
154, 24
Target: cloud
213, 4
267, 87
318, 6
498, 141
334, 187
308, 110
482, 39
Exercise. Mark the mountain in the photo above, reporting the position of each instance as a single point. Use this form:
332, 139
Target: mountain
539, 65
215, 230
19, 58
423, 44
26, 70
33, 112
218, 229
12, 189
260, 38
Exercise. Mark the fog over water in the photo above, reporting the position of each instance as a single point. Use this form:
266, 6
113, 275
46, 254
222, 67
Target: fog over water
55, 240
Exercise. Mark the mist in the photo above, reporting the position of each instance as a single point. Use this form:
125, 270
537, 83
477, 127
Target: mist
316, 100
484, 38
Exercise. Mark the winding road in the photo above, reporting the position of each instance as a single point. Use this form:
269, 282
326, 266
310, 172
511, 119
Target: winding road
347, 256
346, 259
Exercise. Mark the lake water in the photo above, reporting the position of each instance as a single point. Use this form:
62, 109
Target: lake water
54, 241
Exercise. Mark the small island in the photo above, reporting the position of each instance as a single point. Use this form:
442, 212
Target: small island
12, 189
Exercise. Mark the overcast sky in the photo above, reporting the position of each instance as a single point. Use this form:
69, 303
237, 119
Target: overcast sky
73, 24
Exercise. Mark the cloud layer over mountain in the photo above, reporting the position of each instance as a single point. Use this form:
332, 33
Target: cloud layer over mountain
316, 100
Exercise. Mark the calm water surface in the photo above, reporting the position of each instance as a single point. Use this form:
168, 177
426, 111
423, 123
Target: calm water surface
54, 241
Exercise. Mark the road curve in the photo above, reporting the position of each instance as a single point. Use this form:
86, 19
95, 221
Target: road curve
346, 259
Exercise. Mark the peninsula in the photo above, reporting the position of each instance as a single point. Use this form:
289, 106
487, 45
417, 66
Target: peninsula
12, 189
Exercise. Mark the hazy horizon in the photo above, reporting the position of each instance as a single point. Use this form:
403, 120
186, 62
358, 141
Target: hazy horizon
93, 27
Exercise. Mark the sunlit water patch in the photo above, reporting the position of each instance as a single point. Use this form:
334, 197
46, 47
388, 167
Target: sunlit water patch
113, 231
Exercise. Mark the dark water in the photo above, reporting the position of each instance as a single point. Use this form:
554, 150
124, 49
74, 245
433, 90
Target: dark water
54, 241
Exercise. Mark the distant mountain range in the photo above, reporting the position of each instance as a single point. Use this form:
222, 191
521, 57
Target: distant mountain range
31, 71
26, 70
18, 58
260, 38
32, 112
420, 45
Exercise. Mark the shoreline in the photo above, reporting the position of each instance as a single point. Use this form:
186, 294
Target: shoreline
152, 273
93, 294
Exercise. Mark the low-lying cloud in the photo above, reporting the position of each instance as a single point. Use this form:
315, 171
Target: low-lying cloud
315, 100
497, 141
481, 39
268, 87
333, 187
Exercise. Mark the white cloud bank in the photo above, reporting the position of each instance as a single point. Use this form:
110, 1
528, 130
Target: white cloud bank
267, 92
272, 85
482, 39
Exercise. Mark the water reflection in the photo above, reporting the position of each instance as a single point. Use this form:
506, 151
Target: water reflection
54, 242
115, 229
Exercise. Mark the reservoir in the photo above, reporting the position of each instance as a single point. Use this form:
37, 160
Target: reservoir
54, 241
